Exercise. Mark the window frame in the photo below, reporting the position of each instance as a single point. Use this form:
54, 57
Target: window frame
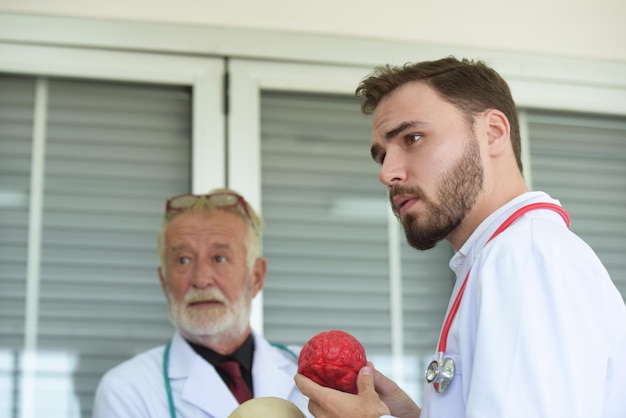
537, 80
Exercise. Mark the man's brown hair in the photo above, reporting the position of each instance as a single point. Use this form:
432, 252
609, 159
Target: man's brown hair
471, 86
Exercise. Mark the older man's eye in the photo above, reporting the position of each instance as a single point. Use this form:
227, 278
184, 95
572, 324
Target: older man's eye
220, 259
184, 260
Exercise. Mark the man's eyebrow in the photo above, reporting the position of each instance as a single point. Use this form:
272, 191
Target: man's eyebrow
183, 246
177, 247
403, 127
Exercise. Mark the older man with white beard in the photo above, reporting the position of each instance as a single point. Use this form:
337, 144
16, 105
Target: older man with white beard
211, 269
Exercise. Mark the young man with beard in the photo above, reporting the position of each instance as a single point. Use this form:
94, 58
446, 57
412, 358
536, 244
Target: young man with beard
534, 327
211, 269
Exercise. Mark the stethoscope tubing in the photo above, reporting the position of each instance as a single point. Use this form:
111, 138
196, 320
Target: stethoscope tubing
443, 338
168, 387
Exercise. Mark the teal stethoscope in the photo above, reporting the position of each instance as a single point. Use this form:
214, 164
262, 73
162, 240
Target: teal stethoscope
168, 387
440, 372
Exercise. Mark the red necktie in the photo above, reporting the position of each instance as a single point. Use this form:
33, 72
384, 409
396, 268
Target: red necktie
236, 384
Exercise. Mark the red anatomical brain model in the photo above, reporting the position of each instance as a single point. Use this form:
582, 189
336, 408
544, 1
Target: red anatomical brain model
332, 359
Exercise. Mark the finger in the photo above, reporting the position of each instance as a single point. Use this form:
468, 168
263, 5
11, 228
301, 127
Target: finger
365, 379
314, 408
383, 385
304, 384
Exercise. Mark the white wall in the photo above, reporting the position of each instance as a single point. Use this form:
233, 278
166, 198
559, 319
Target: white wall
569, 28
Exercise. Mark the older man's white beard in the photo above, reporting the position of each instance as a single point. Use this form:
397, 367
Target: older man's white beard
221, 322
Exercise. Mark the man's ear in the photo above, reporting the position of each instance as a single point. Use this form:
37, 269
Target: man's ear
258, 275
498, 131
162, 279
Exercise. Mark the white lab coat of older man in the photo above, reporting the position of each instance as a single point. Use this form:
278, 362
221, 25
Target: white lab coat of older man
137, 387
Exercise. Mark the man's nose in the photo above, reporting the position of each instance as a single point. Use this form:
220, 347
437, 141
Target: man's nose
392, 170
204, 275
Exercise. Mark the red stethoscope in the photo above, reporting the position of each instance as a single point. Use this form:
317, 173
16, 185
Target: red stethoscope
440, 372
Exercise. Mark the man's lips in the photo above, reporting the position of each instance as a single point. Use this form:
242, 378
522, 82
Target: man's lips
205, 303
403, 203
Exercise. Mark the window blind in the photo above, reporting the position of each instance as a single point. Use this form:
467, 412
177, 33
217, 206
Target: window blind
427, 284
581, 160
16, 130
325, 236
114, 153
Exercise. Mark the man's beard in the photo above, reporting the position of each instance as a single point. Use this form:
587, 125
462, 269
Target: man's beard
222, 322
459, 188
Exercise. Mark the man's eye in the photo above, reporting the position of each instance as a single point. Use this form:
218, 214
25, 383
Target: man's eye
220, 259
378, 158
184, 260
413, 138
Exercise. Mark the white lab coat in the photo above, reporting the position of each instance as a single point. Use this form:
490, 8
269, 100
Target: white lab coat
136, 388
541, 329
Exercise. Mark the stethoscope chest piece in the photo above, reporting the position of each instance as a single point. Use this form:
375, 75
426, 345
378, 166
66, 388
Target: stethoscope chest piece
440, 373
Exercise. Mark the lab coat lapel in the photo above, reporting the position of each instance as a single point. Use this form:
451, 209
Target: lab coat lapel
272, 371
202, 386
206, 390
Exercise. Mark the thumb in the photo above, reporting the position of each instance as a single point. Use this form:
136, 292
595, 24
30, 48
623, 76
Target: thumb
365, 379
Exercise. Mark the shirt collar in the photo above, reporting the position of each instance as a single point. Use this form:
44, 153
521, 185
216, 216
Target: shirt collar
481, 234
243, 354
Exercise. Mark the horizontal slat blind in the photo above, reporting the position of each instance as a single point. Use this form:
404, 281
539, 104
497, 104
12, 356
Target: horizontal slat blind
581, 160
17, 97
325, 217
427, 283
115, 152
